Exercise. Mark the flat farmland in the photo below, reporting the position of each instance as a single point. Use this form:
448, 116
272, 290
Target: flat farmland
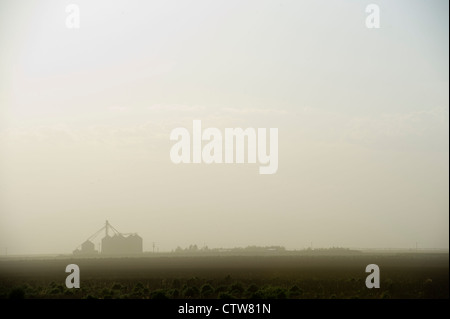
403, 275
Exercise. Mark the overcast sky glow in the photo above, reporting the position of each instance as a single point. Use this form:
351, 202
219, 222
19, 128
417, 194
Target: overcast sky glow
362, 114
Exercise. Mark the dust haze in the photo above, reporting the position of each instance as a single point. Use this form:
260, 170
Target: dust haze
86, 115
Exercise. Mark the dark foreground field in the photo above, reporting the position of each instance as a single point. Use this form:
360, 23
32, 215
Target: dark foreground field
402, 276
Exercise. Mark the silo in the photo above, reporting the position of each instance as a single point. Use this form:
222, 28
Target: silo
134, 244
88, 247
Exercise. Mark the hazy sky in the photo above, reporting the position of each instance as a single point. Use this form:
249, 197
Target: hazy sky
362, 114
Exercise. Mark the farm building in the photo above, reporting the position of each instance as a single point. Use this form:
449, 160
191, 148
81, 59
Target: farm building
120, 244
87, 248
115, 244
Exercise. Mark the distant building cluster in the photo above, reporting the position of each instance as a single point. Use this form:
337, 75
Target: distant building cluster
117, 244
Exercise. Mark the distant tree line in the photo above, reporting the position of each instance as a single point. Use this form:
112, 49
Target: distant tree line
194, 249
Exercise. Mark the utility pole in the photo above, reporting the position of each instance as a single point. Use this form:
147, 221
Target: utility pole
153, 247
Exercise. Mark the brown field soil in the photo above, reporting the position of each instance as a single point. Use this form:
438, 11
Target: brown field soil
254, 277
